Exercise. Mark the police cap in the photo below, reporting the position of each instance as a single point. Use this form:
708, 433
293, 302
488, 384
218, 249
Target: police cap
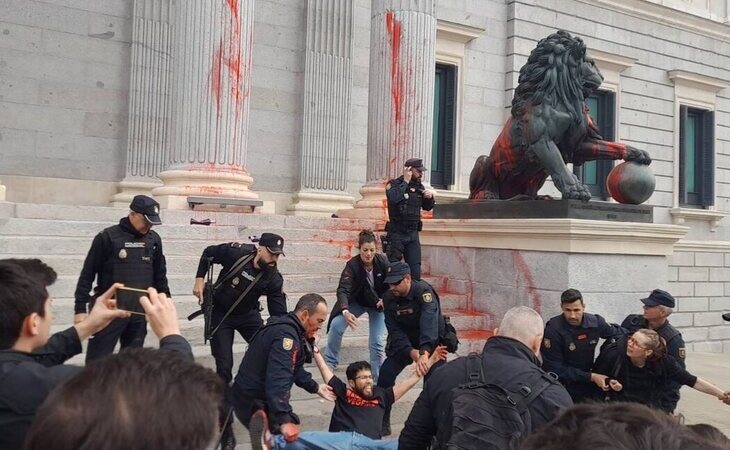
659, 297
416, 163
148, 207
396, 272
273, 243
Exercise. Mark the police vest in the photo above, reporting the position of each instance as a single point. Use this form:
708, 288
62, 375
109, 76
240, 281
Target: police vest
227, 293
132, 259
579, 343
408, 212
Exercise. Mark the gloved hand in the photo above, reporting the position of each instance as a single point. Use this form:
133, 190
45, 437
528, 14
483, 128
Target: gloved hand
290, 431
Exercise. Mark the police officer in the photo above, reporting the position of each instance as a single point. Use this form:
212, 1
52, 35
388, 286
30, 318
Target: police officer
569, 345
658, 306
247, 274
129, 253
415, 327
273, 363
406, 197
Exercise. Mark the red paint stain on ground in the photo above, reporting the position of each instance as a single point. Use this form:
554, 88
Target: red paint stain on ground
524, 270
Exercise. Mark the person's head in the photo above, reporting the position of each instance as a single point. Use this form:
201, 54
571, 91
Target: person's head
614, 425
398, 278
646, 344
571, 302
270, 247
523, 324
366, 244
360, 378
711, 434
311, 310
144, 212
138, 399
25, 306
416, 164
658, 306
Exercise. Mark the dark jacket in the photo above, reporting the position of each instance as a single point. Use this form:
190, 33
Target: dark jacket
273, 362
354, 285
97, 264
675, 348
270, 284
405, 201
26, 379
507, 363
569, 350
647, 385
414, 321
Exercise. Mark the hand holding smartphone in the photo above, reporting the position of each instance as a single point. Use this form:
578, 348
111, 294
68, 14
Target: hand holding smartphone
128, 300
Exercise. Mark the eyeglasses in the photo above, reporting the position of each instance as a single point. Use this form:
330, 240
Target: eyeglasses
635, 343
364, 377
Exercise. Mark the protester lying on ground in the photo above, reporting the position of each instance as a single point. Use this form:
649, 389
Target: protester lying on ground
31, 363
141, 399
640, 371
609, 426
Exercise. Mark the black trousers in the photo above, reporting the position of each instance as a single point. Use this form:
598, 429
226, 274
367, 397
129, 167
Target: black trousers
406, 245
129, 332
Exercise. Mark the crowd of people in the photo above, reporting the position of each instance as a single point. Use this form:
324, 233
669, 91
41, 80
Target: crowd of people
534, 385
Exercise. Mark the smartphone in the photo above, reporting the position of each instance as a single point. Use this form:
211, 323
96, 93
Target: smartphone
128, 299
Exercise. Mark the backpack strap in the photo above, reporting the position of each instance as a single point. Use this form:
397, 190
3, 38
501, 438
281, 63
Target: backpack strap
474, 371
533, 390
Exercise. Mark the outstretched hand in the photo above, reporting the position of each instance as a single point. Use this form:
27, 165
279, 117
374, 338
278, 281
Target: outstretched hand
103, 312
325, 391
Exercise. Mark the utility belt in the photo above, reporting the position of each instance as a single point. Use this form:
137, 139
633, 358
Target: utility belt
403, 226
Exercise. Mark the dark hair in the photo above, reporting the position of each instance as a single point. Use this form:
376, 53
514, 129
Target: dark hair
356, 367
20, 296
138, 399
364, 237
710, 433
309, 302
36, 269
571, 295
619, 425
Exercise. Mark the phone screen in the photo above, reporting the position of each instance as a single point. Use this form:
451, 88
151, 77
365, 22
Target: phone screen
128, 299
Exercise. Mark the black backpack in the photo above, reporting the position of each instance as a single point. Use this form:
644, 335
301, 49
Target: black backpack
487, 416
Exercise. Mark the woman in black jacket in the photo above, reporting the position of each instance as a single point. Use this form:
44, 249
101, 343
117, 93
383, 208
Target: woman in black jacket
639, 368
360, 291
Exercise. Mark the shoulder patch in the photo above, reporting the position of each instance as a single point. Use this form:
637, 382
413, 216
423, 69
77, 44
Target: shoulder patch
427, 297
682, 352
546, 343
287, 343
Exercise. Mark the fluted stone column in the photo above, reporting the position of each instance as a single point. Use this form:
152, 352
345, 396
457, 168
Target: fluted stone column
210, 102
2, 191
326, 119
402, 73
149, 106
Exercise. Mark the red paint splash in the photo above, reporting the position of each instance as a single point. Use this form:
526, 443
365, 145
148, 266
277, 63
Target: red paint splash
524, 269
227, 55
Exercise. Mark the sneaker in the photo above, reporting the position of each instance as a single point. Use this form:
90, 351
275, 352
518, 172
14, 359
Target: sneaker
258, 428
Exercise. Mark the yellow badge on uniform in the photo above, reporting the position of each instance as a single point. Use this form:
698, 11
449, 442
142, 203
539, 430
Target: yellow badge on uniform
571, 347
546, 343
682, 352
287, 343
427, 297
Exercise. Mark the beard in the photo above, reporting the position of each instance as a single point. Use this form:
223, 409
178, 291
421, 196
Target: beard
268, 267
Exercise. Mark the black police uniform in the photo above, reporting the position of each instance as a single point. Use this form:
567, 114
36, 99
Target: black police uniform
119, 254
675, 348
246, 317
405, 201
568, 351
273, 362
413, 322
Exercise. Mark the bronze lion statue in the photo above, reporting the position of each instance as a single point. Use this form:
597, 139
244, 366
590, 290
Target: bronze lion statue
549, 127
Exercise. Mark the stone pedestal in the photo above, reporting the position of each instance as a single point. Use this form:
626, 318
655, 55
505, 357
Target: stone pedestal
503, 263
400, 101
206, 153
327, 101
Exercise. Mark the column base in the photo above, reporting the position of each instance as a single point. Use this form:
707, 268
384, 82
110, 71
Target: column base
128, 188
319, 204
2, 192
178, 185
372, 205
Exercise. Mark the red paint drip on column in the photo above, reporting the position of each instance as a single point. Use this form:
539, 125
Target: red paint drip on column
524, 269
397, 90
228, 55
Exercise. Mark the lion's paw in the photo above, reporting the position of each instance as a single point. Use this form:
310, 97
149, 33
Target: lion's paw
577, 192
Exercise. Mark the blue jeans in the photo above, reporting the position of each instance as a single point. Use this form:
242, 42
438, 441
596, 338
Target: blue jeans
376, 340
343, 440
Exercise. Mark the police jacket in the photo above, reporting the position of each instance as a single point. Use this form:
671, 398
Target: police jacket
270, 283
26, 379
119, 254
675, 348
273, 362
568, 350
507, 363
355, 287
646, 385
414, 321
405, 201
